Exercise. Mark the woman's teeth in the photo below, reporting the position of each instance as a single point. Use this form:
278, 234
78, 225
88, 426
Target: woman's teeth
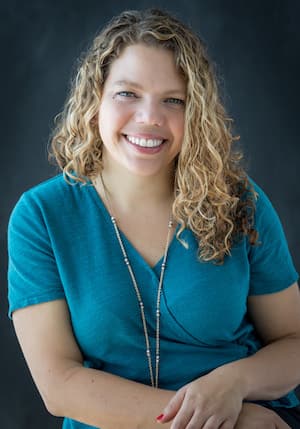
145, 142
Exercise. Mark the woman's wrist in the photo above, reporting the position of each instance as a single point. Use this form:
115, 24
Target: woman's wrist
234, 375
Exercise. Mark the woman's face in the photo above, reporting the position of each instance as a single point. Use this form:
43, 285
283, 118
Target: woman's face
141, 115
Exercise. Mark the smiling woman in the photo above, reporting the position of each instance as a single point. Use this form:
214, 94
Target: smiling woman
152, 276
142, 125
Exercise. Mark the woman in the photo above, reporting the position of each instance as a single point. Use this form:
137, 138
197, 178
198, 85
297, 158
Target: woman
152, 277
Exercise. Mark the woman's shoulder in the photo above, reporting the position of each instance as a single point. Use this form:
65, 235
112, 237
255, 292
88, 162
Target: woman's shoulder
262, 200
267, 220
53, 190
47, 188
55, 196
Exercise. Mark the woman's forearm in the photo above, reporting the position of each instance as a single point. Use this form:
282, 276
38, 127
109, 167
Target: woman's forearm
271, 372
104, 400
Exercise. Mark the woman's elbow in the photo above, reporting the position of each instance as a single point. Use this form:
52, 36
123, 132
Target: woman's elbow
55, 392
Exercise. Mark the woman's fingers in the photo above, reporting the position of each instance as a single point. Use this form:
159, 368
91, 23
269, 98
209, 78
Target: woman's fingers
183, 420
213, 422
227, 425
198, 421
188, 418
173, 406
203, 404
186, 414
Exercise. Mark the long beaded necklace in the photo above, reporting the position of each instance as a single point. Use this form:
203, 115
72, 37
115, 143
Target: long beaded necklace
153, 377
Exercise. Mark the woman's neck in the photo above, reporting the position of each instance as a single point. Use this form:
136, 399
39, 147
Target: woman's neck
128, 192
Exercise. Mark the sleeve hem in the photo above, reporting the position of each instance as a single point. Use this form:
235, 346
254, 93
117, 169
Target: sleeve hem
32, 301
275, 288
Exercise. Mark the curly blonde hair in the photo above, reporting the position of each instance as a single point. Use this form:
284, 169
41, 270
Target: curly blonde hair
213, 196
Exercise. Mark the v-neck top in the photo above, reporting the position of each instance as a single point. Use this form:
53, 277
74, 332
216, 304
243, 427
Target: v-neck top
62, 245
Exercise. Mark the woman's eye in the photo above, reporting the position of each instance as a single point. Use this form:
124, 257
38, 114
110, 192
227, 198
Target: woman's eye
126, 94
175, 101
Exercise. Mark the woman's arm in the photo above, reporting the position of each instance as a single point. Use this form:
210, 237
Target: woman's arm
70, 390
215, 400
275, 369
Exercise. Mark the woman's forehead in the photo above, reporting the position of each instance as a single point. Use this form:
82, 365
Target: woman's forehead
141, 65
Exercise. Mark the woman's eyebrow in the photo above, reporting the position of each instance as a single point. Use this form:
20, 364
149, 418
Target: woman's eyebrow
125, 82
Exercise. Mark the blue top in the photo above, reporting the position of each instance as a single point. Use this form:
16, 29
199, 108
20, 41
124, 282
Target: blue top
62, 246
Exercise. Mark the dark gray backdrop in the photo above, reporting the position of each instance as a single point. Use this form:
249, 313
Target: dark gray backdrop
256, 46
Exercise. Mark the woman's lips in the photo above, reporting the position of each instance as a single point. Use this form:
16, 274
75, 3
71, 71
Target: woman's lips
147, 150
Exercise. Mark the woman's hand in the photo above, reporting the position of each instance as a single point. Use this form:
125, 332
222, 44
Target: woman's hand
255, 416
213, 401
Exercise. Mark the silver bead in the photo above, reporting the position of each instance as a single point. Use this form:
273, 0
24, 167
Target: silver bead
148, 352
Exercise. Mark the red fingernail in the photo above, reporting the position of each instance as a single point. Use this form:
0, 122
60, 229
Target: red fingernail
160, 417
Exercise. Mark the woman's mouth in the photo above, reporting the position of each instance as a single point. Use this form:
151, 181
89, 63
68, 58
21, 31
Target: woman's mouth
148, 143
145, 145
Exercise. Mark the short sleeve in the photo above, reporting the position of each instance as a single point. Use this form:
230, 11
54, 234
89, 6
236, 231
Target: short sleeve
271, 265
32, 271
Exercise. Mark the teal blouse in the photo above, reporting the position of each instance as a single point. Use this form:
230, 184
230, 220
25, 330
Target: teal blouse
62, 246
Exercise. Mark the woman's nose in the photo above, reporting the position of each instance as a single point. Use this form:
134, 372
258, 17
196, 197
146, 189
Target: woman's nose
150, 113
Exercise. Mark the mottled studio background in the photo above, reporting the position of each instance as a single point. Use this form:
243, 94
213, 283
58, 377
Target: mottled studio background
256, 46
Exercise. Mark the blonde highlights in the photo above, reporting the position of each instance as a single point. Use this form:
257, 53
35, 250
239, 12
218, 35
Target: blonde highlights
213, 196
